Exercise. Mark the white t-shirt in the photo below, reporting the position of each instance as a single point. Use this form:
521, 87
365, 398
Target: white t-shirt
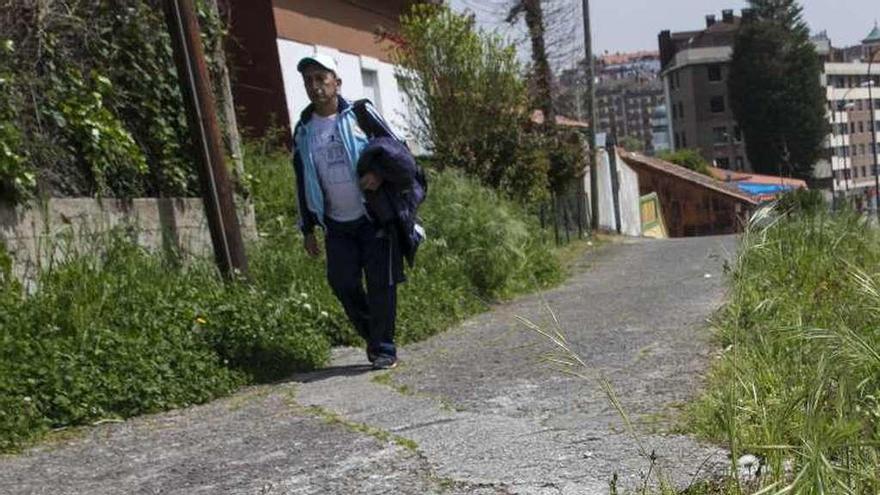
342, 195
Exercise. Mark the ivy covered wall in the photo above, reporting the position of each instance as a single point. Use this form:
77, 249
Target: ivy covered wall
89, 100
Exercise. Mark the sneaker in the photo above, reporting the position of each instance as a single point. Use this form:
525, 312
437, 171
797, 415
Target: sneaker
384, 362
371, 356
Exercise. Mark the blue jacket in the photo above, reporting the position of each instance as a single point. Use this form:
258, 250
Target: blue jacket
354, 138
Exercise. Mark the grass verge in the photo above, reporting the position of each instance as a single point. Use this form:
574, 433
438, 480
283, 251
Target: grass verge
798, 382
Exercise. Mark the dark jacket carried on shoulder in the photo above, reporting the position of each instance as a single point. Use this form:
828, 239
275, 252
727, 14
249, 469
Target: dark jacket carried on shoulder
403, 189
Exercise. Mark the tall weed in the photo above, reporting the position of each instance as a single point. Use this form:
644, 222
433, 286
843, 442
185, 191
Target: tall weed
799, 380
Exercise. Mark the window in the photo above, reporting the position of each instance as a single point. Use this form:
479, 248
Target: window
723, 162
714, 72
852, 127
859, 107
716, 104
862, 149
680, 110
740, 163
719, 135
737, 134
861, 126
371, 87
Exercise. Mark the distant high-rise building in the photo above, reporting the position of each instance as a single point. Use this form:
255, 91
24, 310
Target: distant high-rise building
851, 145
694, 70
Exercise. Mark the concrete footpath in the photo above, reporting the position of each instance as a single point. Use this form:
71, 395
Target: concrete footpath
472, 411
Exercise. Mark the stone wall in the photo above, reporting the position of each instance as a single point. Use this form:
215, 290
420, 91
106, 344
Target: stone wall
40, 233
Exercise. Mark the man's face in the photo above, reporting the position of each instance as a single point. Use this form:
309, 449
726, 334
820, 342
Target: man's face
321, 84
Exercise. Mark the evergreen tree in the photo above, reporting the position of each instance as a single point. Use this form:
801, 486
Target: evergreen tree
775, 90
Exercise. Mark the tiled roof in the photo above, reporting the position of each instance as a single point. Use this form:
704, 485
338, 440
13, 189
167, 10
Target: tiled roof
623, 58
637, 159
732, 176
538, 118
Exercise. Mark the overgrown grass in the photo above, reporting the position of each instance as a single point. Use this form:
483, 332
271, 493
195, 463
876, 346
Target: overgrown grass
798, 383
115, 330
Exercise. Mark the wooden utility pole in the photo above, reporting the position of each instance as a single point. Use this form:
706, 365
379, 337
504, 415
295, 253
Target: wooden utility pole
591, 111
201, 111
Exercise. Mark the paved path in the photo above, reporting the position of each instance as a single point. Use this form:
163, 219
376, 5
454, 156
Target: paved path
473, 411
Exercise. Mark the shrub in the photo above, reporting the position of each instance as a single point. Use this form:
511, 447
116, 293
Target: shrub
688, 158
470, 100
502, 250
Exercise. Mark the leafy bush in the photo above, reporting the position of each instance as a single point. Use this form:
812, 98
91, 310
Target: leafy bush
802, 202
470, 100
502, 250
799, 381
688, 158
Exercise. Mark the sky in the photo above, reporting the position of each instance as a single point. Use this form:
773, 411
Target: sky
631, 25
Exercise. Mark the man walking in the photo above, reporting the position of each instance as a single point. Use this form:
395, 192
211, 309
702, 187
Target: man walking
328, 142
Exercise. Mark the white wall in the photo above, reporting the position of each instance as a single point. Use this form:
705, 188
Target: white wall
391, 102
606, 196
630, 204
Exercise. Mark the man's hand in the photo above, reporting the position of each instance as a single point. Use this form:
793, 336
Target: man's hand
311, 244
370, 181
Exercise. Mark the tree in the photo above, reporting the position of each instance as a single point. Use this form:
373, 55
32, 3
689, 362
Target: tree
469, 100
775, 90
565, 149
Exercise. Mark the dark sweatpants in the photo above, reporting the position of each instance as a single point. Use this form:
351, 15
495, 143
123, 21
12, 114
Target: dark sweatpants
354, 250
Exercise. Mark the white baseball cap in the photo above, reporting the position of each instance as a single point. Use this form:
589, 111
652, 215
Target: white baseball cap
325, 61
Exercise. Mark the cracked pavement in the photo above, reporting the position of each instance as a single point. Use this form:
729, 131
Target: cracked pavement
470, 411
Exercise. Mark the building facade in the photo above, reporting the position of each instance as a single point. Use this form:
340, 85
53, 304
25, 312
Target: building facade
852, 144
270, 37
624, 108
627, 93
695, 67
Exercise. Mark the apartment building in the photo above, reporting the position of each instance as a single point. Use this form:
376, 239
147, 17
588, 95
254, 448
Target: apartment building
625, 106
849, 89
694, 71
269, 37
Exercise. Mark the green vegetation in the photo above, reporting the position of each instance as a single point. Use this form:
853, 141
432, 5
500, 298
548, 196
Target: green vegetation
688, 158
471, 102
90, 102
799, 378
775, 89
114, 330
